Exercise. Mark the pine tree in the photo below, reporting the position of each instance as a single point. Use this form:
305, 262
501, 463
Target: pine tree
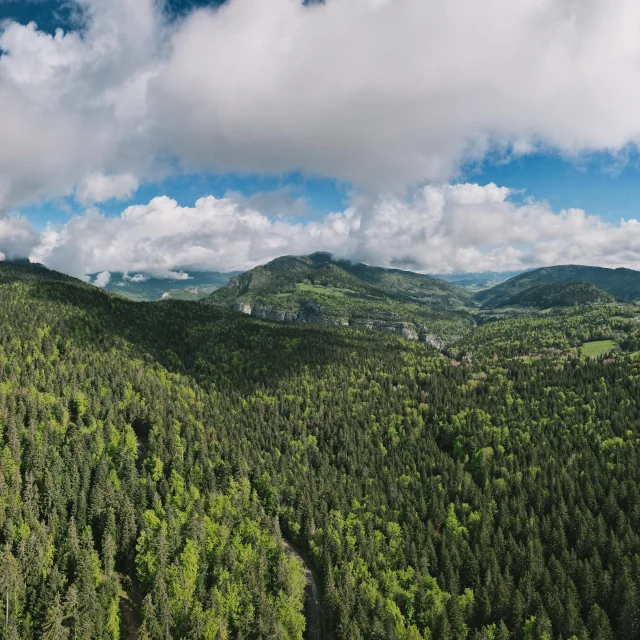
10, 580
53, 627
598, 624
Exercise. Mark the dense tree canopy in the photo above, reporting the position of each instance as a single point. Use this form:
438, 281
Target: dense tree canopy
153, 456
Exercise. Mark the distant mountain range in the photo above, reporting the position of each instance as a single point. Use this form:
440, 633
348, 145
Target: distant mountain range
474, 282
322, 289
319, 288
142, 287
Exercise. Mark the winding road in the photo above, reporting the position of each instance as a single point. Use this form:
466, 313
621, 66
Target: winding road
312, 610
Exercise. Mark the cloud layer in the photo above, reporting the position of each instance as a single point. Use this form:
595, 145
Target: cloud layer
446, 228
375, 92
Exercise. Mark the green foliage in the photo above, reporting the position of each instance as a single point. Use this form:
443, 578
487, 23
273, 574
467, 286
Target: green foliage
324, 290
158, 453
571, 294
108, 476
549, 333
597, 348
621, 283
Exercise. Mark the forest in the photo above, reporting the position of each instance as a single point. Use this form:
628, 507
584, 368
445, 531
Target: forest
154, 458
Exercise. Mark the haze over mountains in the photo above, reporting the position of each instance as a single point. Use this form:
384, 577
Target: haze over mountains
193, 285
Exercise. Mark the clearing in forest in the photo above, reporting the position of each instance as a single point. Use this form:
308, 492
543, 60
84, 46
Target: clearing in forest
597, 348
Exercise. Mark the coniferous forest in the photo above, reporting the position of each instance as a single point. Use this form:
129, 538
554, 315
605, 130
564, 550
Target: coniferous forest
155, 457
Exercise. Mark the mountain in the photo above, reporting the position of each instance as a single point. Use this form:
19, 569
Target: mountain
23, 270
187, 286
547, 296
321, 289
621, 283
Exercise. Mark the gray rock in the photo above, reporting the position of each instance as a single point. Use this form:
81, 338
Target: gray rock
311, 312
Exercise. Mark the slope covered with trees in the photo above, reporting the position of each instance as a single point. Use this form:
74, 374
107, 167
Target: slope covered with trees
621, 283
547, 296
321, 289
152, 457
118, 514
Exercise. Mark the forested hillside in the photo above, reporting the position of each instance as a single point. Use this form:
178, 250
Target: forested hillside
153, 456
547, 296
321, 289
621, 283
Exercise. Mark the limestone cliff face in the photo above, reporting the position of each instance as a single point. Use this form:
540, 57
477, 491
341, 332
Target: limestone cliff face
311, 312
273, 315
405, 329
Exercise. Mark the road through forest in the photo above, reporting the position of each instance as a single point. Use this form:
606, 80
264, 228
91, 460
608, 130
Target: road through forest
312, 609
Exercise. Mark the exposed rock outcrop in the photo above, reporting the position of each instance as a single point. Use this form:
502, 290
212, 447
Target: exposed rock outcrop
273, 315
404, 329
243, 307
311, 312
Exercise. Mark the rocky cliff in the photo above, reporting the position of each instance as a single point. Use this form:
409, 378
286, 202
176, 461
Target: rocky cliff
312, 313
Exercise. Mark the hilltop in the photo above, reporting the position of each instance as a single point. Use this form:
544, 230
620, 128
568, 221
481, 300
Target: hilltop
621, 283
321, 289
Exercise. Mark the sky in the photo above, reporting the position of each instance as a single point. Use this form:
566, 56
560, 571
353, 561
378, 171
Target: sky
152, 137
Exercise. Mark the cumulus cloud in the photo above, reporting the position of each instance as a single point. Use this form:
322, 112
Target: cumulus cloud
138, 277
376, 93
17, 238
279, 203
102, 279
164, 239
177, 275
439, 229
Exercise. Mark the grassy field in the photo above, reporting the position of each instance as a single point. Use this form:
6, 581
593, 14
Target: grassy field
327, 291
597, 348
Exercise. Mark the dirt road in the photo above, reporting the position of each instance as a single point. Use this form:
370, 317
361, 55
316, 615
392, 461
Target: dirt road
312, 609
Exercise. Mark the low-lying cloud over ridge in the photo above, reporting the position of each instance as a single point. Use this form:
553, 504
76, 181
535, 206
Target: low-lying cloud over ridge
447, 228
375, 92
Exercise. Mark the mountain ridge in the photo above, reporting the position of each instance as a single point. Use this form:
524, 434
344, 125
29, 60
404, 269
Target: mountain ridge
572, 294
319, 288
621, 283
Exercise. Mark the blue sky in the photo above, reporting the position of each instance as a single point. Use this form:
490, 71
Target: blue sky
361, 128
599, 185
602, 184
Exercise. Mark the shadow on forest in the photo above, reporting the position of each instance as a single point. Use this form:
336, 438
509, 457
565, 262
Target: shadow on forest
206, 343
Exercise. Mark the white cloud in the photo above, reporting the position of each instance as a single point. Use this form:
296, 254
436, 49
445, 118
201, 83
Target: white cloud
138, 277
17, 238
440, 228
376, 93
98, 187
177, 275
162, 238
102, 279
